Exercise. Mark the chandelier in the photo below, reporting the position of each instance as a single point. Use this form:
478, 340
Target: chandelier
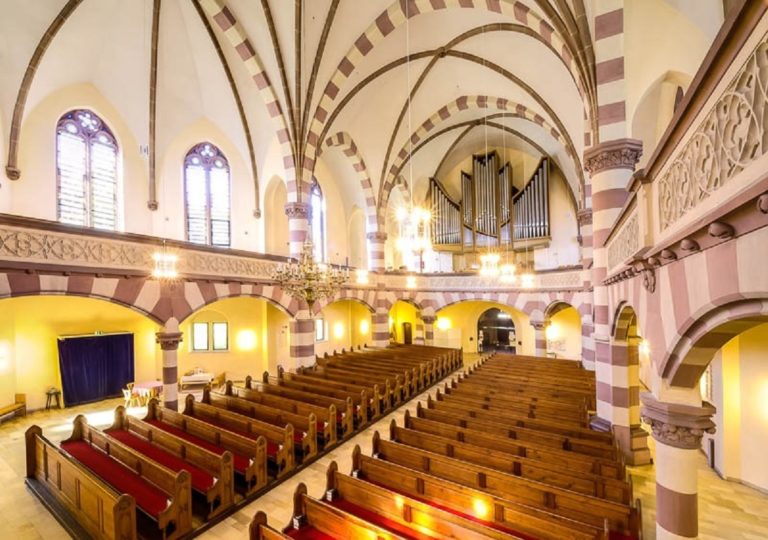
308, 280
413, 230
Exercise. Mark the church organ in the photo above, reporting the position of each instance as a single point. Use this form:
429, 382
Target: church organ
491, 212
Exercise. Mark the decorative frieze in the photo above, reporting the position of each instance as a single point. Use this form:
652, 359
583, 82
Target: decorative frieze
625, 243
730, 138
297, 210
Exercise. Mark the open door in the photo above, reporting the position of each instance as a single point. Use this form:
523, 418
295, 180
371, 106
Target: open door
407, 333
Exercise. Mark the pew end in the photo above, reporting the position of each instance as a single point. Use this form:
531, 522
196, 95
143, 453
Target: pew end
356, 460
280, 372
376, 443
330, 481
299, 507
392, 429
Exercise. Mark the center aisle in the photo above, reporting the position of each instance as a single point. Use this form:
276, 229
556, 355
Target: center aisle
278, 502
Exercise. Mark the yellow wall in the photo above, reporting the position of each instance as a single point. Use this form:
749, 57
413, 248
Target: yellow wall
402, 312
345, 321
740, 395
564, 334
31, 326
462, 320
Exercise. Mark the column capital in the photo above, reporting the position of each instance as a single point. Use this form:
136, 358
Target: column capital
615, 154
169, 341
675, 424
379, 235
428, 319
297, 210
584, 217
539, 325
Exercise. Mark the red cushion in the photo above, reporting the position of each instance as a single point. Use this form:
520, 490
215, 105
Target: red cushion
201, 480
149, 498
272, 448
379, 520
241, 462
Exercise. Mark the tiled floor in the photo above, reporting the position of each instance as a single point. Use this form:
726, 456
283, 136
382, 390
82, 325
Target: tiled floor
726, 510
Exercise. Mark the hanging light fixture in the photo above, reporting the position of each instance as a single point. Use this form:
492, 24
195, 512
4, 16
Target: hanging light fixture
414, 236
164, 265
308, 280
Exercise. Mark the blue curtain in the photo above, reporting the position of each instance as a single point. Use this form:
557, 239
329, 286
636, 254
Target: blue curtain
95, 367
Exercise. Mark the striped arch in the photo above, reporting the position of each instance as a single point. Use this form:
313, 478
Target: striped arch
624, 320
344, 141
366, 297
465, 103
157, 300
237, 37
394, 16
198, 295
700, 340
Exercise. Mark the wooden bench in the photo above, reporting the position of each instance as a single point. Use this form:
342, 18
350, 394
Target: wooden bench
378, 505
249, 456
621, 518
367, 395
353, 407
212, 473
163, 495
304, 427
17, 408
533, 450
513, 517
280, 443
94, 505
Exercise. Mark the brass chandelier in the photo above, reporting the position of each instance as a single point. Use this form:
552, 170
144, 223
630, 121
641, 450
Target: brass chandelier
308, 280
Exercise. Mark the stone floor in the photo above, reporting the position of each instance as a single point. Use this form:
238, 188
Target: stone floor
727, 510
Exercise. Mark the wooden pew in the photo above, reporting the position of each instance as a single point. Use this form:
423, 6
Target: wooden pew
220, 495
554, 474
380, 393
311, 516
249, 456
587, 447
122, 467
368, 396
94, 505
364, 499
513, 517
404, 383
621, 518
533, 450
305, 436
346, 410
352, 403
392, 394
259, 529
17, 408
521, 420
279, 440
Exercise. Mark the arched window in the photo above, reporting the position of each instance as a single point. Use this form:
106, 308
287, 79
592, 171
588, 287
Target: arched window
207, 196
318, 220
86, 171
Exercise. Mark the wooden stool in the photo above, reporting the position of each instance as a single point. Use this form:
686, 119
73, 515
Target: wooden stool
50, 395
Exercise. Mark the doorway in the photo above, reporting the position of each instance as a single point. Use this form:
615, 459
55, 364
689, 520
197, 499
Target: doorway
407, 333
496, 332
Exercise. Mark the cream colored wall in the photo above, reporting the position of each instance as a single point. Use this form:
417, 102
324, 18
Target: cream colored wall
276, 222
7, 357
564, 334
348, 324
32, 324
356, 239
563, 249
740, 394
336, 245
462, 319
276, 334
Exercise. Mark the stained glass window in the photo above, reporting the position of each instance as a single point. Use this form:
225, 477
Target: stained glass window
207, 196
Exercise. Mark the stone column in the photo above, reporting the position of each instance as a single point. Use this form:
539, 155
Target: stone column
587, 324
429, 329
301, 341
298, 226
610, 165
539, 328
380, 328
376, 251
678, 430
624, 397
169, 344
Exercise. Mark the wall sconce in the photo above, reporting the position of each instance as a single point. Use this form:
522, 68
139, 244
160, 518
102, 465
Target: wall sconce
246, 340
443, 323
338, 330
364, 327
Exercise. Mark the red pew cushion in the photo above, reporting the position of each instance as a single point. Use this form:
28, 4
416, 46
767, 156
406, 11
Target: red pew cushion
201, 480
272, 448
149, 498
308, 533
241, 462
379, 520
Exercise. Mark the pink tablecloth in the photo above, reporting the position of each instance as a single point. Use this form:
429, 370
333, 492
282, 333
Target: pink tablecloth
143, 389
